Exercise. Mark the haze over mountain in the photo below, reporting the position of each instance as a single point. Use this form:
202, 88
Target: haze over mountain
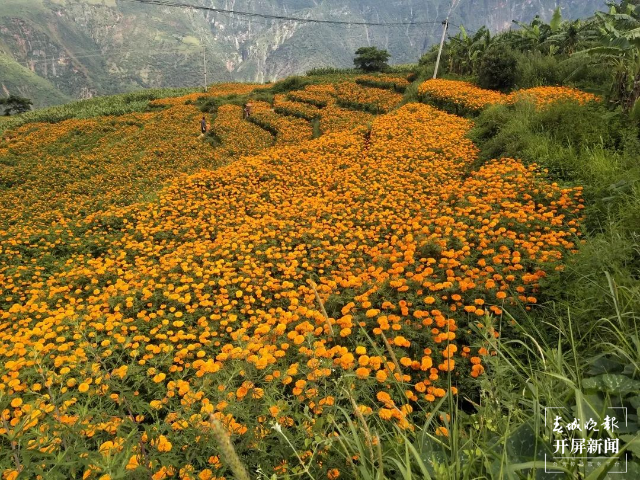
56, 50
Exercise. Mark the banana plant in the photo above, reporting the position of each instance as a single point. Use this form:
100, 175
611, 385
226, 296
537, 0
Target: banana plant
531, 36
573, 35
620, 49
465, 50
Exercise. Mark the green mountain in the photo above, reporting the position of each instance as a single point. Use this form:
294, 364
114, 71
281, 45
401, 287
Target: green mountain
19, 80
84, 48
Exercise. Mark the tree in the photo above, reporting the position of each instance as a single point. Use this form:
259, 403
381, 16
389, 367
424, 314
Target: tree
14, 104
498, 69
371, 59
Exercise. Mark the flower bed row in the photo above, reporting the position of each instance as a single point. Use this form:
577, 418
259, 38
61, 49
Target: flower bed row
464, 97
297, 109
238, 136
373, 100
390, 82
317, 95
287, 130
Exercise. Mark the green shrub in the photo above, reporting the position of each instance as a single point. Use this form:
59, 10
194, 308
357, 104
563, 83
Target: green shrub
262, 96
507, 131
410, 69
289, 84
586, 75
211, 104
535, 69
498, 69
321, 71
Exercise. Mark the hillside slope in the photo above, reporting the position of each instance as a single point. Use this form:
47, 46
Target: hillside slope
19, 80
97, 47
313, 271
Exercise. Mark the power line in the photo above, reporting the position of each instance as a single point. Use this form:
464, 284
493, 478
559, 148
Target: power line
73, 56
186, 49
167, 3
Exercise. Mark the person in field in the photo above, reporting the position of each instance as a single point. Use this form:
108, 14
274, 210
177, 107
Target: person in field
203, 125
247, 110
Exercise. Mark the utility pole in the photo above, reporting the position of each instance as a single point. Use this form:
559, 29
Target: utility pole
444, 35
204, 63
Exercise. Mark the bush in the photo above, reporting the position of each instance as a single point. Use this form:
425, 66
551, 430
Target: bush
321, 71
261, 96
506, 131
429, 58
211, 104
588, 76
536, 69
408, 68
289, 84
15, 105
498, 69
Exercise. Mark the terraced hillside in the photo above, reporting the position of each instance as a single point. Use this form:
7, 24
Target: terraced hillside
297, 293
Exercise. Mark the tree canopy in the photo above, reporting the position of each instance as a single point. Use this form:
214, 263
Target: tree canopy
14, 104
371, 59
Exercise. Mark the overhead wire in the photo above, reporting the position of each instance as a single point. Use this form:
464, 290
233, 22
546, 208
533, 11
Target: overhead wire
169, 3
83, 55
261, 18
420, 37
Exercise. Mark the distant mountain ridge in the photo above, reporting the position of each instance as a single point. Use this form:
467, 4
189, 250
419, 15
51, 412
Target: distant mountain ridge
53, 50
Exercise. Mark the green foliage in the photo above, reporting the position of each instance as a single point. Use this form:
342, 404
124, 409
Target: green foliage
464, 53
536, 69
546, 54
597, 149
96, 107
371, 59
15, 105
262, 96
407, 68
289, 84
211, 104
374, 82
619, 48
497, 69
431, 56
319, 71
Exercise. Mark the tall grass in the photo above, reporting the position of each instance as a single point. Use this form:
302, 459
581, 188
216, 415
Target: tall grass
96, 107
580, 350
544, 363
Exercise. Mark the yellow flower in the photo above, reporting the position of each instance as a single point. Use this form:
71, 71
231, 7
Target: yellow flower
163, 444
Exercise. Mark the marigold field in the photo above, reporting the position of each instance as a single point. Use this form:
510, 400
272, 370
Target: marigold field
153, 285
465, 96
